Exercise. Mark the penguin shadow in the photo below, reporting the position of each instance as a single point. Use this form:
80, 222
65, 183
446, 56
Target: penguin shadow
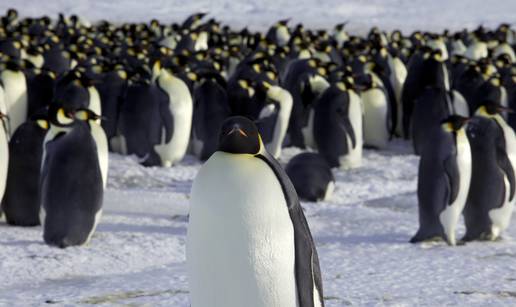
146, 229
21, 243
390, 238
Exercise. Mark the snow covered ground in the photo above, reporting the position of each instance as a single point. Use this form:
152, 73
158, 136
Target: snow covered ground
137, 255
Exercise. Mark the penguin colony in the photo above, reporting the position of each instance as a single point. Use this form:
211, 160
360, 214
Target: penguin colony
70, 92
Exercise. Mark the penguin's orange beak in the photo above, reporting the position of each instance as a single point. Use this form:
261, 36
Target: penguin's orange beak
505, 109
237, 129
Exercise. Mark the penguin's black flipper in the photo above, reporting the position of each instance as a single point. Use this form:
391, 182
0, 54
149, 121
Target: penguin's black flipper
451, 169
167, 121
505, 164
349, 131
307, 270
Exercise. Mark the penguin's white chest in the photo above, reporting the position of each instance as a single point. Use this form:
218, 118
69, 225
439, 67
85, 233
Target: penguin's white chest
240, 243
375, 118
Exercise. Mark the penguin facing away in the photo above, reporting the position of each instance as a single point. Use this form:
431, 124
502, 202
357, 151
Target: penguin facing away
443, 181
246, 247
71, 185
21, 201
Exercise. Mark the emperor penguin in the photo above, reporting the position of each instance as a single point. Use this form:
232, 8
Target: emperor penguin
279, 33
277, 113
338, 126
71, 183
248, 241
211, 108
21, 200
99, 136
376, 114
491, 199
180, 106
15, 90
311, 176
443, 180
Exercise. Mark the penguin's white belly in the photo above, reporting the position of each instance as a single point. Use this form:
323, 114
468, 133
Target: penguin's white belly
15, 88
98, 215
4, 162
118, 144
308, 131
95, 104
450, 216
102, 150
375, 118
459, 104
240, 243
500, 217
175, 150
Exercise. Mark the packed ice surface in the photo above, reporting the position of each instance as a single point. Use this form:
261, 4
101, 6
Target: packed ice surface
137, 256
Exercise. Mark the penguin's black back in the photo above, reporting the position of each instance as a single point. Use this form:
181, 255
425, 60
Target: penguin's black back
487, 189
71, 187
332, 125
111, 91
40, 92
141, 120
21, 200
211, 109
437, 179
429, 109
310, 174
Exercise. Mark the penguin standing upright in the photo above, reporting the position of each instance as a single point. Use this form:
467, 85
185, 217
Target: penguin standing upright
338, 127
144, 118
180, 106
443, 180
491, 198
376, 114
71, 183
21, 201
248, 242
15, 89
211, 108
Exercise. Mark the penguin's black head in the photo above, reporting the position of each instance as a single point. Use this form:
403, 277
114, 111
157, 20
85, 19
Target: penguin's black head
454, 123
86, 115
239, 135
59, 116
490, 108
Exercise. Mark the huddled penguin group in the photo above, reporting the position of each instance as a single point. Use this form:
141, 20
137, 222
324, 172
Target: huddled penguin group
71, 91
